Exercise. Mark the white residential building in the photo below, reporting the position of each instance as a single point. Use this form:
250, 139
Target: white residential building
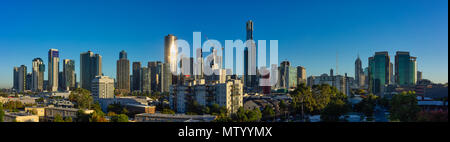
102, 87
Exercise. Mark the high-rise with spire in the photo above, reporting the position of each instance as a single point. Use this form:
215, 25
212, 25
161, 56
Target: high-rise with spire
250, 68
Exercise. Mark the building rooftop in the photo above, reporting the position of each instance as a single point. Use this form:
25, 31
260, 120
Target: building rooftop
18, 114
178, 116
431, 103
138, 105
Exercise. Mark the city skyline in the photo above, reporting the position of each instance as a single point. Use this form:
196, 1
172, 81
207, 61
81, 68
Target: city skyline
426, 40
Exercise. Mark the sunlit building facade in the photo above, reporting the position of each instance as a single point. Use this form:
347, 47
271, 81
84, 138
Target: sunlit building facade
38, 75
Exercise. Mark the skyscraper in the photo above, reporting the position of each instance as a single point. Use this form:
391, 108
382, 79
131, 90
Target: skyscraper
53, 69
61, 81
331, 73
301, 75
170, 61
146, 80
170, 51
166, 79
198, 65
405, 68
379, 68
90, 67
391, 73
16, 78
123, 72
69, 77
359, 72
22, 78
136, 76
419, 76
156, 75
28, 81
37, 75
288, 75
250, 57
413, 71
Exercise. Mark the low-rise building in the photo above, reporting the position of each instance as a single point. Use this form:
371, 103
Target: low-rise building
24, 99
52, 112
431, 105
159, 117
121, 100
338, 81
137, 108
20, 117
39, 111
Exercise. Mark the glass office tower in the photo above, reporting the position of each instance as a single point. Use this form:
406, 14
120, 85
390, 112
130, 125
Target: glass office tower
405, 69
379, 67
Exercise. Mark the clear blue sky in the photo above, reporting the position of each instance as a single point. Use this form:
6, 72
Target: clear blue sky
309, 32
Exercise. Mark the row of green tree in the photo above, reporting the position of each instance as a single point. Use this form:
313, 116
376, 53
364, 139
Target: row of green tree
83, 100
323, 99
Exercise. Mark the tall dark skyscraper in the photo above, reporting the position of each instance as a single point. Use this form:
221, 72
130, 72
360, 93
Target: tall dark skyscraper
405, 68
250, 68
28, 81
156, 75
146, 80
136, 76
69, 77
61, 81
123, 55
16, 78
419, 76
22, 78
90, 67
359, 72
123, 73
379, 68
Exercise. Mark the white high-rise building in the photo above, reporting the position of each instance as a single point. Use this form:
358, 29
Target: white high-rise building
53, 70
37, 80
229, 94
102, 87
